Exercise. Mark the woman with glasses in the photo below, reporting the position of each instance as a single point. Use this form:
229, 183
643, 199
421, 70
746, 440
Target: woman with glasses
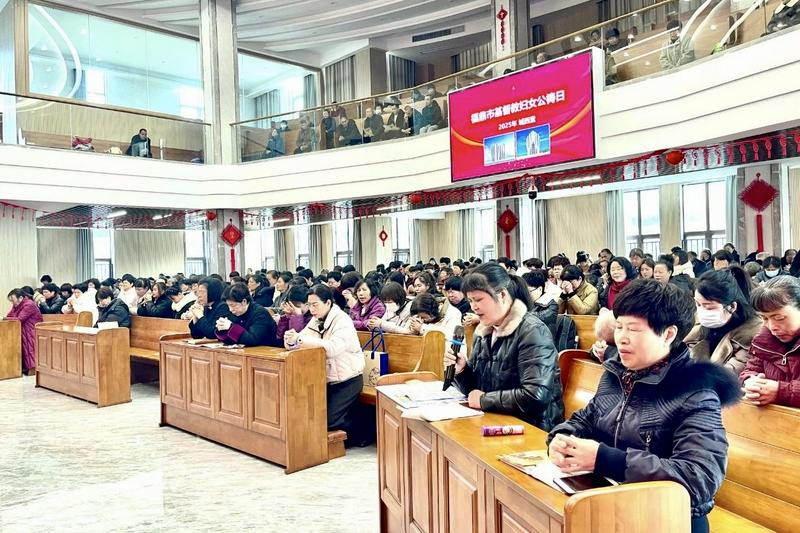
245, 323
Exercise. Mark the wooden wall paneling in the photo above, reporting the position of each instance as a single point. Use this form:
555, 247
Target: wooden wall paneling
57, 355
421, 486
113, 366
266, 412
507, 511
200, 378
10, 349
459, 501
88, 355
72, 354
306, 380
172, 376
564, 235
390, 466
230, 398
42, 352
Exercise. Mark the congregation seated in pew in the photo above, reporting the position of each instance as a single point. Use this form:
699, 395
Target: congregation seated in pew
160, 305
111, 310
246, 323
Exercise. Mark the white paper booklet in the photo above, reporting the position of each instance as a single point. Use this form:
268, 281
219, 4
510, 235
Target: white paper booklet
441, 411
418, 393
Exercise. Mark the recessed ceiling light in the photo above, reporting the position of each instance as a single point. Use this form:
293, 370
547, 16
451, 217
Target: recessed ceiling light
158, 217
647, 63
49, 69
578, 38
43, 48
713, 27
98, 59
84, 31
115, 214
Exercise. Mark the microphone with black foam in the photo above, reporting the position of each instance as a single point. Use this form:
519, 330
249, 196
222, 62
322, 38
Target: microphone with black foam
455, 345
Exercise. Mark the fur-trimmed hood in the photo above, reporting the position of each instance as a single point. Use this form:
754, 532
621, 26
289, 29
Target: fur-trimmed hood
509, 325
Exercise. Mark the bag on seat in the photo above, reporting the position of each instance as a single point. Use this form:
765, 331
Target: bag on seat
376, 360
566, 333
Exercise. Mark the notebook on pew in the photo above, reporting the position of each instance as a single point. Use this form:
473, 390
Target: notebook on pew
440, 411
419, 393
537, 464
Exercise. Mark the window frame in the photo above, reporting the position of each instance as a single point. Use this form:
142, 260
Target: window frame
712, 239
398, 253
343, 257
649, 242
190, 260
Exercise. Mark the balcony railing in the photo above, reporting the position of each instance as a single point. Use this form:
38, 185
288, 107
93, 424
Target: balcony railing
643, 43
52, 122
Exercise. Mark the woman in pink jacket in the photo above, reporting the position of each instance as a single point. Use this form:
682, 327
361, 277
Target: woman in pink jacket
26, 311
772, 374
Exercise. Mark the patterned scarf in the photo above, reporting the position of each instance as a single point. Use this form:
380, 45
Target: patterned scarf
629, 377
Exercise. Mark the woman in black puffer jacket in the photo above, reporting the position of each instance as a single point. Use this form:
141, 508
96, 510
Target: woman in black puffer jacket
207, 309
657, 415
514, 364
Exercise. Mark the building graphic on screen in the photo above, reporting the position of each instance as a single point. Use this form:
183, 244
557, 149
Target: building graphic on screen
532, 143
498, 152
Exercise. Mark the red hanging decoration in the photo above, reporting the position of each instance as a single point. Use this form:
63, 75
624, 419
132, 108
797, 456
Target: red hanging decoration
675, 157
501, 16
211, 216
383, 235
231, 234
507, 222
758, 196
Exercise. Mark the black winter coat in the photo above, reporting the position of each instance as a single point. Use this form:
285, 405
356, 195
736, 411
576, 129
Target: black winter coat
519, 373
668, 428
160, 308
52, 306
547, 313
204, 328
117, 311
254, 328
264, 296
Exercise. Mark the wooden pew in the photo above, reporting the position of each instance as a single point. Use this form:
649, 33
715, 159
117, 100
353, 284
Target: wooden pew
267, 402
758, 493
83, 319
584, 325
445, 476
146, 335
409, 353
87, 363
10, 349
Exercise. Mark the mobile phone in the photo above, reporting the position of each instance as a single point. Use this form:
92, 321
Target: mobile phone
581, 482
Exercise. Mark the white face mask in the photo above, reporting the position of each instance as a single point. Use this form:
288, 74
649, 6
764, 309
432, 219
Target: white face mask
391, 307
713, 318
771, 273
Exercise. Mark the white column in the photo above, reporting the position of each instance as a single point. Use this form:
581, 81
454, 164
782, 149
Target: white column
220, 79
511, 31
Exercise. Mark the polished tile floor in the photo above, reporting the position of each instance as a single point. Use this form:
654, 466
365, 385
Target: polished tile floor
67, 466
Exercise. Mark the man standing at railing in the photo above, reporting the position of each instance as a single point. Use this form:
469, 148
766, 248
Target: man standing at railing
678, 50
140, 145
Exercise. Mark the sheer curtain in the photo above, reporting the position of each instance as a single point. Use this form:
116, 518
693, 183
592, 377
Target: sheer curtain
615, 222
466, 237
85, 259
340, 80
281, 256
267, 104
315, 245
358, 244
309, 91
416, 237
732, 210
477, 55
540, 229
402, 73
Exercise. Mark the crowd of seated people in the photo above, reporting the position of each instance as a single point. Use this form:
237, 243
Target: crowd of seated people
745, 323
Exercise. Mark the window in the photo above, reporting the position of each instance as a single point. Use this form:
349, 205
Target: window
642, 221
485, 234
268, 87
95, 86
301, 245
343, 242
704, 216
103, 253
401, 239
190, 100
259, 249
196, 252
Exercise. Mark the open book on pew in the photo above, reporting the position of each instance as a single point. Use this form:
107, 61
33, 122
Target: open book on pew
418, 393
537, 464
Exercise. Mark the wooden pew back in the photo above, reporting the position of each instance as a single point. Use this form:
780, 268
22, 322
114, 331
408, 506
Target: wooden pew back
412, 353
763, 456
146, 333
68, 320
584, 325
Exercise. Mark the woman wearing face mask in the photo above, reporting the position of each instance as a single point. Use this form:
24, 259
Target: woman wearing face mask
544, 305
621, 273
331, 329
247, 323
770, 268
398, 310
207, 309
111, 309
513, 368
727, 322
367, 304
646, 268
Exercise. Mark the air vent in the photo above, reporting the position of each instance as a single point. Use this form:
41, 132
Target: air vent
436, 34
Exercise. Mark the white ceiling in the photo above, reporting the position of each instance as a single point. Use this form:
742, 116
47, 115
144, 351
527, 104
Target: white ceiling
303, 28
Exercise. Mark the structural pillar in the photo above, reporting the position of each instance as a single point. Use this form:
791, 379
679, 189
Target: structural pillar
511, 32
508, 244
220, 87
224, 258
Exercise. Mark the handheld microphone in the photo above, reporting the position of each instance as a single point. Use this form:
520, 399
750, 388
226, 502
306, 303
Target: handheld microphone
455, 344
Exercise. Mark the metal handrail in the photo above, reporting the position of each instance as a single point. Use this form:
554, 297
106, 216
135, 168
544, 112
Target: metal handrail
471, 69
151, 114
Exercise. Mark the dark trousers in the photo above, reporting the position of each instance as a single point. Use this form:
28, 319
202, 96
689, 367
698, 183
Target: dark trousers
700, 524
345, 413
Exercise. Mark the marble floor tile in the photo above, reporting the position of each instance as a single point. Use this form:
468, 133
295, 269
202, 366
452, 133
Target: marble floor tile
66, 465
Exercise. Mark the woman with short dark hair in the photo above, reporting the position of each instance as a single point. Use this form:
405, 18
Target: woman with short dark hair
770, 268
207, 309
331, 329
577, 296
53, 302
111, 309
295, 315
261, 291
160, 306
620, 274
26, 311
513, 368
772, 374
398, 310
245, 323
367, 304
657, 414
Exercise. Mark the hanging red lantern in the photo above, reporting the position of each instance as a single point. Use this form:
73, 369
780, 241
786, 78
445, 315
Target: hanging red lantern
415, 198
507, 222
383, 236
675, 157
211, 216
231, 234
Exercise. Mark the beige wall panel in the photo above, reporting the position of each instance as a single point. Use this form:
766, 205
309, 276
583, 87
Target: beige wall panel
576, 223
146, 253
58, 254
670, 215
18, 267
